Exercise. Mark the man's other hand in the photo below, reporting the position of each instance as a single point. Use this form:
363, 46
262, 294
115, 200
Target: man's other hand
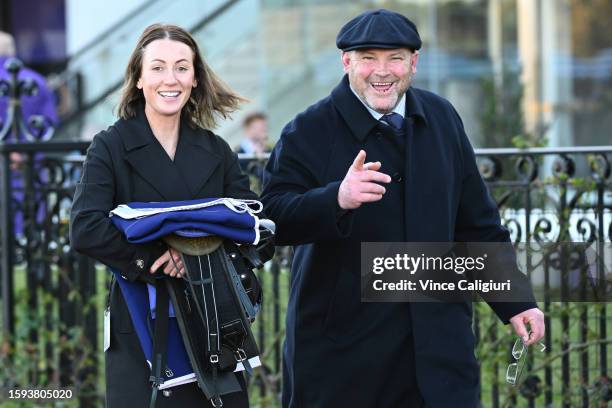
360, 185
535, 319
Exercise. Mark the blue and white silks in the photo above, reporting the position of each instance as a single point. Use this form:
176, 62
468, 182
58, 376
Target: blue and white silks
228, 218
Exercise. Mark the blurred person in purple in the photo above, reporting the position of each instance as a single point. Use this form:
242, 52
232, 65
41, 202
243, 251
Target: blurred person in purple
41, 103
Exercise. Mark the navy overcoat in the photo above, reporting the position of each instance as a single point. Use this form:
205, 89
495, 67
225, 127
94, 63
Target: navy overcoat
339, 351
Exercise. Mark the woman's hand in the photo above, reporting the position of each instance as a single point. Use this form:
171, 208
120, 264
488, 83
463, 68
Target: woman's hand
175, 269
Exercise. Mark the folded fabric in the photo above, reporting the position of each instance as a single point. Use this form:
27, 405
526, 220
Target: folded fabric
139, 209
228, 218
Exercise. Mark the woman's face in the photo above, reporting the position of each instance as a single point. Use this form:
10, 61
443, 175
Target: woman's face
167, 77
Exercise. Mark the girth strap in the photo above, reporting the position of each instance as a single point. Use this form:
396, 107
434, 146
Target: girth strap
212, 323
160, 339
210, 307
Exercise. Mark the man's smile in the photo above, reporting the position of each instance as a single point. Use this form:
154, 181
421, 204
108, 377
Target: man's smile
382, 87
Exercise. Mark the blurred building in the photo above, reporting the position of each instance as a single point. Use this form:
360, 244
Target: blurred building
537, 69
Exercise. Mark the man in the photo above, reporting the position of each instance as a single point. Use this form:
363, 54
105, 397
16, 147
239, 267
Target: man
255, 128
255, 142
420, 184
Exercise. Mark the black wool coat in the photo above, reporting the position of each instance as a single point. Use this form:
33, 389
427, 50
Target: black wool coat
339, 351
126, 163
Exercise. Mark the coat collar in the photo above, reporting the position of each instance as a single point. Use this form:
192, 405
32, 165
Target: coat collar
356, 115
194, 160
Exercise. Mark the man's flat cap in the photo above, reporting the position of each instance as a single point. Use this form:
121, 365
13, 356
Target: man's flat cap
378, 29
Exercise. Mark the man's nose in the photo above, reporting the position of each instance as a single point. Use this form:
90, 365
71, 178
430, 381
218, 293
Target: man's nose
381, 68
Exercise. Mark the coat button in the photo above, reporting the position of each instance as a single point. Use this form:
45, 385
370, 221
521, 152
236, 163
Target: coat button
397, 177
140, 263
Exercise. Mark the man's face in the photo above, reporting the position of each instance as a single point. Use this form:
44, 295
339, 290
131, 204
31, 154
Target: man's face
257, 130
380, 76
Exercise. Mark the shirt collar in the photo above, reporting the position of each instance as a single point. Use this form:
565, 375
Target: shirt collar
400, 108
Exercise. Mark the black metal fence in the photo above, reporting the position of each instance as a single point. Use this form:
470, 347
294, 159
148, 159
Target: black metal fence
549, 195
52, 298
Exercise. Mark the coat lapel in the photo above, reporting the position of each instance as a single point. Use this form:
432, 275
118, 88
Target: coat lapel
194, 161
148, 158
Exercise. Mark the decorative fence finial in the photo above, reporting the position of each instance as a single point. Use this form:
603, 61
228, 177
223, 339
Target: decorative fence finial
38, 128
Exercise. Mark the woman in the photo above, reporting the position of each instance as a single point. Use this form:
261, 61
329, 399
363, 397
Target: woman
159, 150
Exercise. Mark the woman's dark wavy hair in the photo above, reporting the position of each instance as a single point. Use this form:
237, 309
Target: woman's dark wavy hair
210, 96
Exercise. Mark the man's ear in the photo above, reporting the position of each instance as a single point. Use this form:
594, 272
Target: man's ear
414, 58
346, 60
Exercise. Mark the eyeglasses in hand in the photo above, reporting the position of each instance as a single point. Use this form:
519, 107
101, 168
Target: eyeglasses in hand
519, 352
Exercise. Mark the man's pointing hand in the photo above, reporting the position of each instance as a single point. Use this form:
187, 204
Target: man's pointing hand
360, 185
